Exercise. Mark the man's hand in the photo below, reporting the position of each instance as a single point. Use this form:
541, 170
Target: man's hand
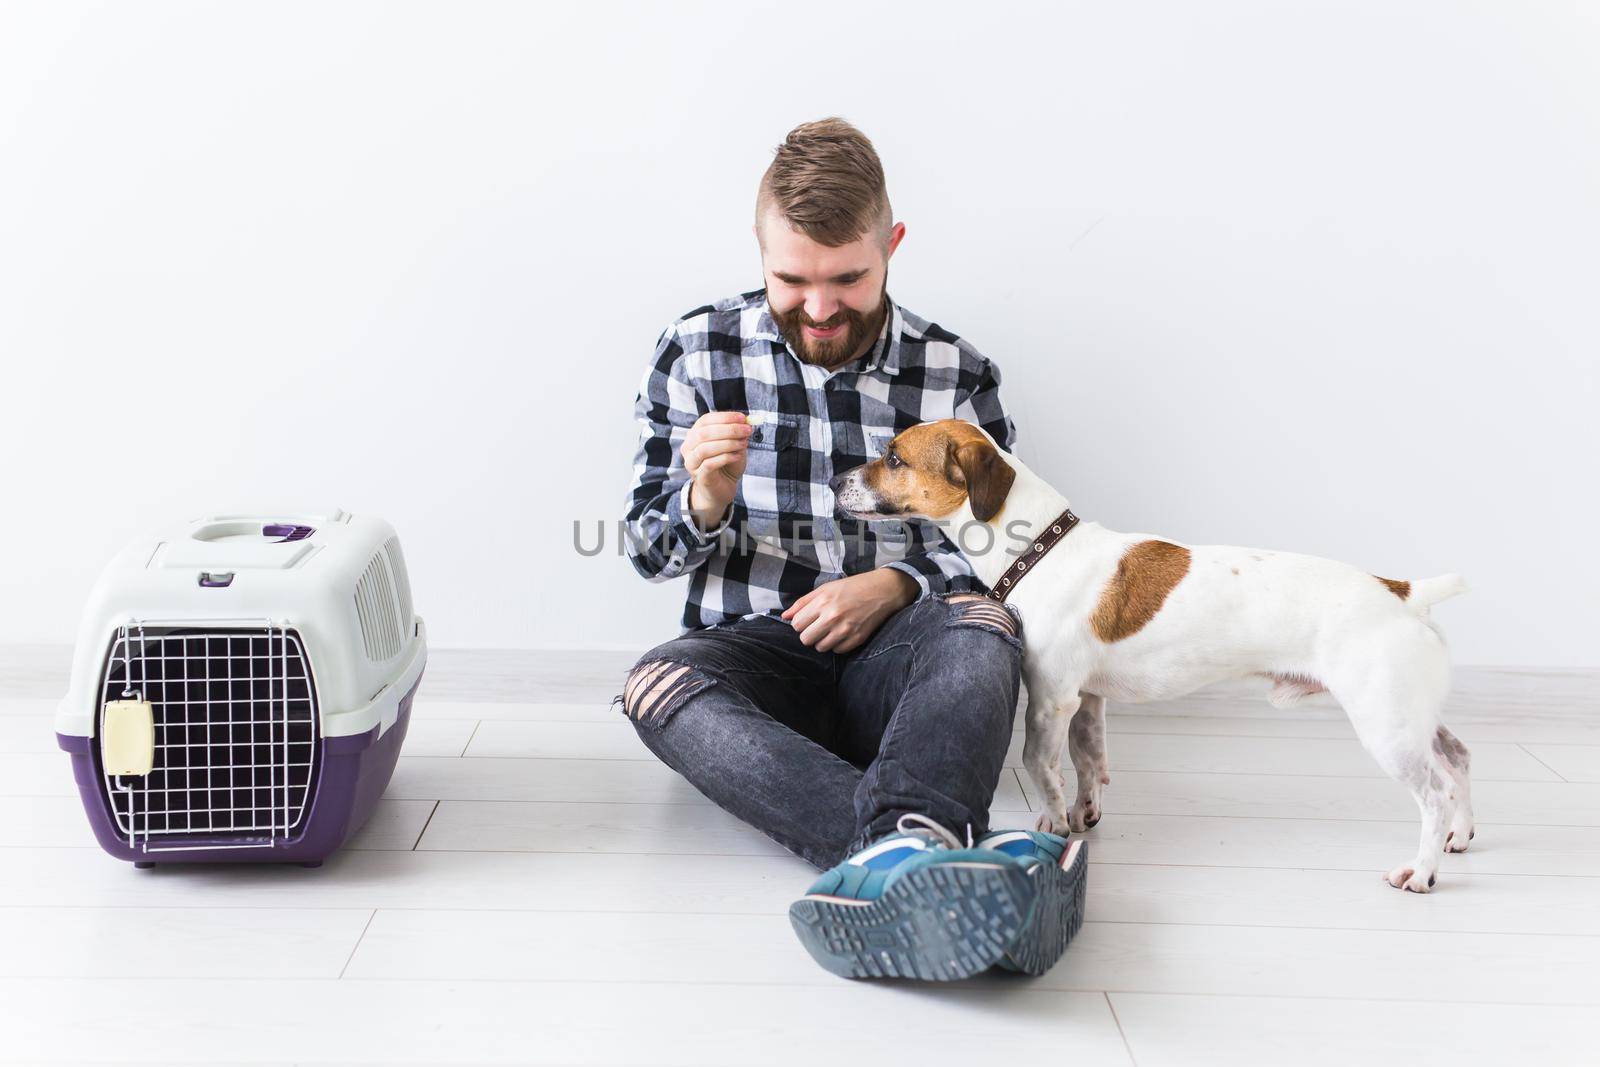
841, 614
714, 454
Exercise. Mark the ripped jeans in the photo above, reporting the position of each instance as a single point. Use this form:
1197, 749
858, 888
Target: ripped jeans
824, 751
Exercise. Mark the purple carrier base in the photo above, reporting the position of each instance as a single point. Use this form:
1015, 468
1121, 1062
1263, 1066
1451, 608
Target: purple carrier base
355, 772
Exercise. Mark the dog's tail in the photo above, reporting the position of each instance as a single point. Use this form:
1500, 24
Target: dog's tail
1429, 591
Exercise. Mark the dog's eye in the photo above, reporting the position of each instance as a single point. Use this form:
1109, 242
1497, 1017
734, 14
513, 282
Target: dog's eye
893, 460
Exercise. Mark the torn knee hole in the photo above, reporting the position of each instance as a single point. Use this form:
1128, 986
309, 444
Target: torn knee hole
975, 609
655, 690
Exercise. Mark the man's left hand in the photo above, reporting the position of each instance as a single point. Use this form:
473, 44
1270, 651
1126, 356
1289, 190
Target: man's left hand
841, 614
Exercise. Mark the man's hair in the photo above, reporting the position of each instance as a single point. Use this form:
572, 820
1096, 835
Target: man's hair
827, 182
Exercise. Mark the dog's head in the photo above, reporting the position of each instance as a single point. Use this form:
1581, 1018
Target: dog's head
928, 472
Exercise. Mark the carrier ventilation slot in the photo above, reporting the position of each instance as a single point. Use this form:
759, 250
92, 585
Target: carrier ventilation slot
402, 583
380, 628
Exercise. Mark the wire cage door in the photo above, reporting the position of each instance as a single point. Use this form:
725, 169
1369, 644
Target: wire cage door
235, 738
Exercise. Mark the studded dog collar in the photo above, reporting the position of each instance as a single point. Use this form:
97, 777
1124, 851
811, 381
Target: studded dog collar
1059, 528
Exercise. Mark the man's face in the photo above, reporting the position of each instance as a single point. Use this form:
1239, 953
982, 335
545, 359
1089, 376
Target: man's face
829, 303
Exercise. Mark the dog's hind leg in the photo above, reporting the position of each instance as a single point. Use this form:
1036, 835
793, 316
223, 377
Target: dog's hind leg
1411, 760
1462, 830
1086, 742
1392, 692
1428, 777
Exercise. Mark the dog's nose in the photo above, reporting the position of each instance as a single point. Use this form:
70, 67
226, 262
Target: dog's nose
835, 482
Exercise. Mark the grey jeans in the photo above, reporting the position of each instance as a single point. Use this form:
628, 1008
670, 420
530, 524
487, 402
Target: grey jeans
824, 751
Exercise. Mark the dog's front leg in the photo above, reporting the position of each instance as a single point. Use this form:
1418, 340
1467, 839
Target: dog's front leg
1048, 718
1086, 741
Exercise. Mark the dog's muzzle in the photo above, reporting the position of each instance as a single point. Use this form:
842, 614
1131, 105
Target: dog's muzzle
850, 495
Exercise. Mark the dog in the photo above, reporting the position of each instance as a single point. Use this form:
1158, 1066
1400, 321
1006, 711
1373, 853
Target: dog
1134, 617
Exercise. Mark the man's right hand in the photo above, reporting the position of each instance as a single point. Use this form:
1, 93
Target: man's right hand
714, 454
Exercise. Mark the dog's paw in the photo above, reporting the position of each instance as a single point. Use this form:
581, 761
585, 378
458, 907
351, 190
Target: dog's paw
1085, 815
1457, 840
1052, 824
1410, 879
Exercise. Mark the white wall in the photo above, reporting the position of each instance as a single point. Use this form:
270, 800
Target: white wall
1307, 276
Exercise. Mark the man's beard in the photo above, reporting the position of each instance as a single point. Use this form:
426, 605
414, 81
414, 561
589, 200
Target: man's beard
832, 352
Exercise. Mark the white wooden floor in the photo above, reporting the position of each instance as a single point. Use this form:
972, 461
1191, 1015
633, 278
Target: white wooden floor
538, 889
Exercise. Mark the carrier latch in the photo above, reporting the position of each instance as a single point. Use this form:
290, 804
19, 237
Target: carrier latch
128, 742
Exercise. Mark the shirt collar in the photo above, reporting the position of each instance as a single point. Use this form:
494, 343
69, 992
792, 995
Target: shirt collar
883, 355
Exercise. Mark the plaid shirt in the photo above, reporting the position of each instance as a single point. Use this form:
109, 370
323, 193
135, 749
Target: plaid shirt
782, 538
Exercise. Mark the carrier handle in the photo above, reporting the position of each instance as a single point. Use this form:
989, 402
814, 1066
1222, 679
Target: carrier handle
287, 531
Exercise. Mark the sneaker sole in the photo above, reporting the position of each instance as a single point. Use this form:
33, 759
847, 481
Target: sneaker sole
942, 923
1057, 913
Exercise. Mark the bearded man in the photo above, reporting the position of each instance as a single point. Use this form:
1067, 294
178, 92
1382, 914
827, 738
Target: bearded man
843, 685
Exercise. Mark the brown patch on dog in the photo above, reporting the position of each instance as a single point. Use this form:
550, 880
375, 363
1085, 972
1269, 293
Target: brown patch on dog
1145, 575
1234, 569
940, 464
1399, 589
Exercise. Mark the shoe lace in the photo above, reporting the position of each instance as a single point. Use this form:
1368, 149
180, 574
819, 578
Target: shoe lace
921, 824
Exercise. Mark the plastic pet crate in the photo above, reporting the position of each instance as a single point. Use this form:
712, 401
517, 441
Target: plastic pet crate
241, 688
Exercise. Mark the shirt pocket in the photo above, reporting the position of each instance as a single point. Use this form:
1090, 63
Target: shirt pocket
777, 470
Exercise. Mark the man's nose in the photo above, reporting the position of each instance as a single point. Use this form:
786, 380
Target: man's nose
821, 308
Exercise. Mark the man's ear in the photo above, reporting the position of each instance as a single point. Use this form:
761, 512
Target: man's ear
978, 466
897, 233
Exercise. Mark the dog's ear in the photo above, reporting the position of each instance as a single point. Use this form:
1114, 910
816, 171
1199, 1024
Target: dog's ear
978, 466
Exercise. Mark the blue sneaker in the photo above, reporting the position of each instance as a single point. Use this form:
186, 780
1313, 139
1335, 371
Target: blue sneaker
1059, 869
915, 904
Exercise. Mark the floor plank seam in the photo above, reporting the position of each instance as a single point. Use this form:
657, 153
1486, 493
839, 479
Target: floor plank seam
778, 915
986, 984
1468, 875
1545, 765
1352, 869
1022, 790
1120, 1031
417, 844
473, 734
707, 804
1015, 767
1215, 925
357, 946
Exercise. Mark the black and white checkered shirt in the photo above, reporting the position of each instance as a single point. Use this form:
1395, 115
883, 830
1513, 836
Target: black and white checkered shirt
782, 537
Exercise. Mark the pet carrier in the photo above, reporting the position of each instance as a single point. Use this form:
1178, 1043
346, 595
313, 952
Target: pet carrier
241, 688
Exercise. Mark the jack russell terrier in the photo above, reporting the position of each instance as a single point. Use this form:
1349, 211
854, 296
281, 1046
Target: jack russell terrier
1113, 616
